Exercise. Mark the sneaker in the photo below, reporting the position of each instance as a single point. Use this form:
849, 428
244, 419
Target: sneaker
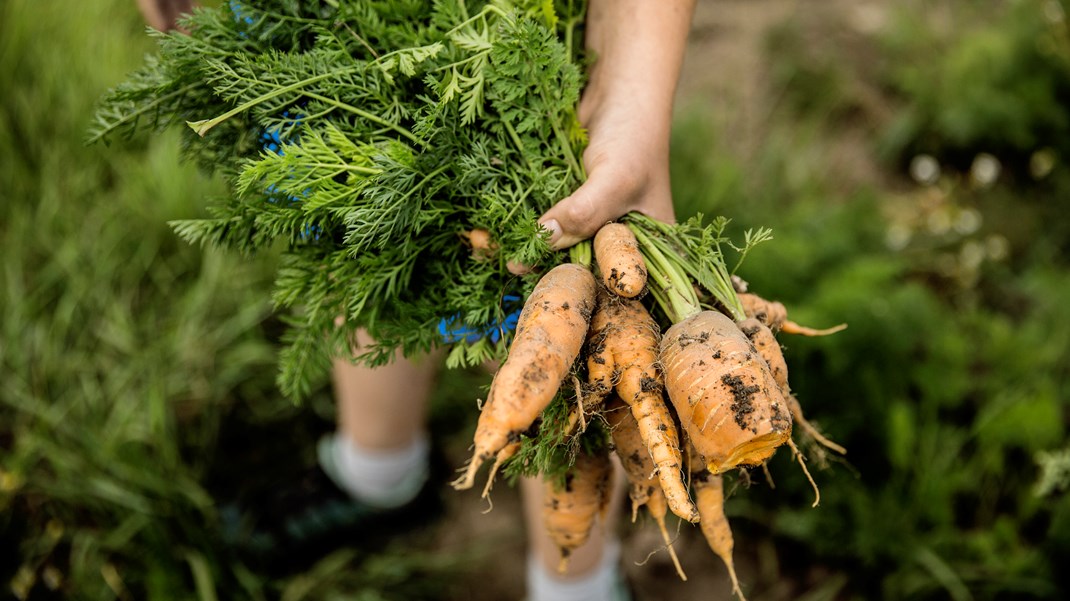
312, 516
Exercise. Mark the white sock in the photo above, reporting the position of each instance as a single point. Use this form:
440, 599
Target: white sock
603, 584
382, 478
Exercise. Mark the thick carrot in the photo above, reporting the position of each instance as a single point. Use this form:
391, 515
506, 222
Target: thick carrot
775, 316
630, 336
569, 510
644, 489
723, 392
617, 253
709, 495
549, 335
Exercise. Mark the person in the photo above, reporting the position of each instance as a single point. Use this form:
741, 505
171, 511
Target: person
380, 452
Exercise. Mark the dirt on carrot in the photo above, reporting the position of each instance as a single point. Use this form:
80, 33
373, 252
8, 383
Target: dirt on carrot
622, 266
549, 336
570, 508
630, 337
723, 392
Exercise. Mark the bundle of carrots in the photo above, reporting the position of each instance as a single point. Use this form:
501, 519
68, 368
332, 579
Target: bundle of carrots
397, 155
679, 409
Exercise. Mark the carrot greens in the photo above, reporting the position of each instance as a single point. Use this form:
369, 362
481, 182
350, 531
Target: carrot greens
363, 138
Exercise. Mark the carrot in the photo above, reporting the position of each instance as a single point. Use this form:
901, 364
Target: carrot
483, 246
569, 509
630, 337
601, 372
638, 466
617, 253
769, 349
775, 316
549, 335
723, 392
709, 495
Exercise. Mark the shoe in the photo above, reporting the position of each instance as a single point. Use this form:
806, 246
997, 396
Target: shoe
310, 516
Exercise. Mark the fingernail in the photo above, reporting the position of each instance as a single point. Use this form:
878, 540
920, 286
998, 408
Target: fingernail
552, 226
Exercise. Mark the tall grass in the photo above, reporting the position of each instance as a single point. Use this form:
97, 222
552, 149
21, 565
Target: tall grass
120, 346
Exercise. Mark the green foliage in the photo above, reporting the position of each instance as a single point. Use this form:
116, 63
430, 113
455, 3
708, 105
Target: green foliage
948, 388
998, 81
396, 127
125, 351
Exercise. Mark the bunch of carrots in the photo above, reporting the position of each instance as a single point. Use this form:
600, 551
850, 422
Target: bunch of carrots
682, 407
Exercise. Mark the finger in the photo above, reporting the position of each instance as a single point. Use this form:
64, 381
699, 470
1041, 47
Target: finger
578, 217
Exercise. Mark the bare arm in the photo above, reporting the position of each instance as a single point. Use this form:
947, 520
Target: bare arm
627, 108
162, 14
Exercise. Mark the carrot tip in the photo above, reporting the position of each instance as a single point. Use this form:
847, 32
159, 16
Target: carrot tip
790, 327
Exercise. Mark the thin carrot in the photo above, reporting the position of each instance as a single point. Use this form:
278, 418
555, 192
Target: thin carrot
775, 316
723, 392
570, 509
769, 349
630, 336
483, 246
709, 495
644, 490
549, 336
617, 253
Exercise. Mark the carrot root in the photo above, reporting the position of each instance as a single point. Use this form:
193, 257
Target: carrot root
727, 399
790, 327
810, 429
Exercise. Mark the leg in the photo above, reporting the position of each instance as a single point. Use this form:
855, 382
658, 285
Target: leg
380, 452
383, 408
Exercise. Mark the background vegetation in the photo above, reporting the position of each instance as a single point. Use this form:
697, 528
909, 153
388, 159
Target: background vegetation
137, 373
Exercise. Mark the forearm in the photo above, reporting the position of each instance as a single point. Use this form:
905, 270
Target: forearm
638, 47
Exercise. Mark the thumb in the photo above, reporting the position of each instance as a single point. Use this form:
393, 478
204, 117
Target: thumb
577, 217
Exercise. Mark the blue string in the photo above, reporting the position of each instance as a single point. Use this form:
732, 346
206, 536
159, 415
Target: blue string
451, 330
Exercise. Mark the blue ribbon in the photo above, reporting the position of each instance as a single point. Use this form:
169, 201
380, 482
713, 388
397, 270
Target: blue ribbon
451, 330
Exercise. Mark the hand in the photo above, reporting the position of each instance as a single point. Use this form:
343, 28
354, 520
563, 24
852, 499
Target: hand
627, 110
627, 170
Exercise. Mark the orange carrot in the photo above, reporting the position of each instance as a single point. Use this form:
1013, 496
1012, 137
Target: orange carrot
709, 495
549, 336
569, 510
775, 316
723, 392
640, 470
483, 246
630, 336
617, 253
769, 349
